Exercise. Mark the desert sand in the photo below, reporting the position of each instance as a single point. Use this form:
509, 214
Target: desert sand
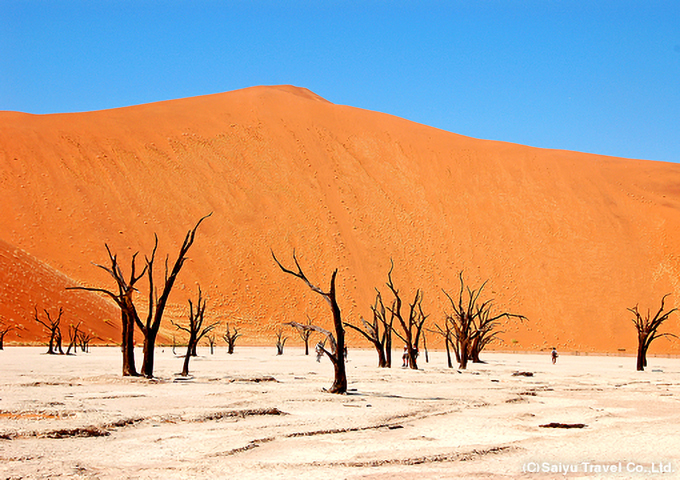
255, 415
569, 240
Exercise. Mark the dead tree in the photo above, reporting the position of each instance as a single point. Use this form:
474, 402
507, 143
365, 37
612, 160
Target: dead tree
471, 325
280, 342
230, 339
4, 330
211, 342
51, 324
128, 311
487, 329
305, 333
73, 334
337, 353
157, 303
196, 330
647, 330
448, 340
411, 328
84, 341
378, 332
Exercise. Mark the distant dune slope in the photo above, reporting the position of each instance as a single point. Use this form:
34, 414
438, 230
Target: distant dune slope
568, 239
28, 285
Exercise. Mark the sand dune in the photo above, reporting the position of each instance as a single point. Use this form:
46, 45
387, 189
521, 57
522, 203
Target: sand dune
30, 284
568, 239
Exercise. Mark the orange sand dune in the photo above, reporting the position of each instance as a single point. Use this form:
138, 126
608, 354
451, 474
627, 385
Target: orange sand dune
29, 285
568, 239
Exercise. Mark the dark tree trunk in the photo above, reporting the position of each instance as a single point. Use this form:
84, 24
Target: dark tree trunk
382, 361
191, 348
50, 347
73, 340
128, 345
474, 351
464, 352
447, 342
640, 359
58, 342
148, 351
642, 352
340, 380
187, 357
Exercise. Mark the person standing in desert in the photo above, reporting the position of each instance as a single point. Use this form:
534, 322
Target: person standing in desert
554, 356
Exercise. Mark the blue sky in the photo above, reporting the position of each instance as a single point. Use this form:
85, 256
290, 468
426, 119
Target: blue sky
592, 76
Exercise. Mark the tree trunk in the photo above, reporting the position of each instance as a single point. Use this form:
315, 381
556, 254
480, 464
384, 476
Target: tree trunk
640, 360
187, 357
340, 381
149, 346
50, 347
128, 344
641, 353
382, 361
412, 357
448, 352
58, 340
464, 352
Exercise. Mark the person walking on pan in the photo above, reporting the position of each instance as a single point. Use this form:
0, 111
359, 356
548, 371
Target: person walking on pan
554, 356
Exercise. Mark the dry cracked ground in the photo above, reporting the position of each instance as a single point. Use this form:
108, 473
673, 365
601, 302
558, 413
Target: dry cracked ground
254, 414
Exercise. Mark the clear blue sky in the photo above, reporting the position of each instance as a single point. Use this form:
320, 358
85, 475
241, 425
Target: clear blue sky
592, 76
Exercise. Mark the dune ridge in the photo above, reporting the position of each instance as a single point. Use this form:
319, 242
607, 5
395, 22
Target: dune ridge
569, 240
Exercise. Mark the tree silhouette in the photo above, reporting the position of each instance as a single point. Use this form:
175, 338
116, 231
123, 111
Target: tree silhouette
51, 324
230, 338
157, 303
647, 330
74, 335
128, 311
280, 342
471, 326
4, 330
378, 332
195, 329
337, 352
412, 327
